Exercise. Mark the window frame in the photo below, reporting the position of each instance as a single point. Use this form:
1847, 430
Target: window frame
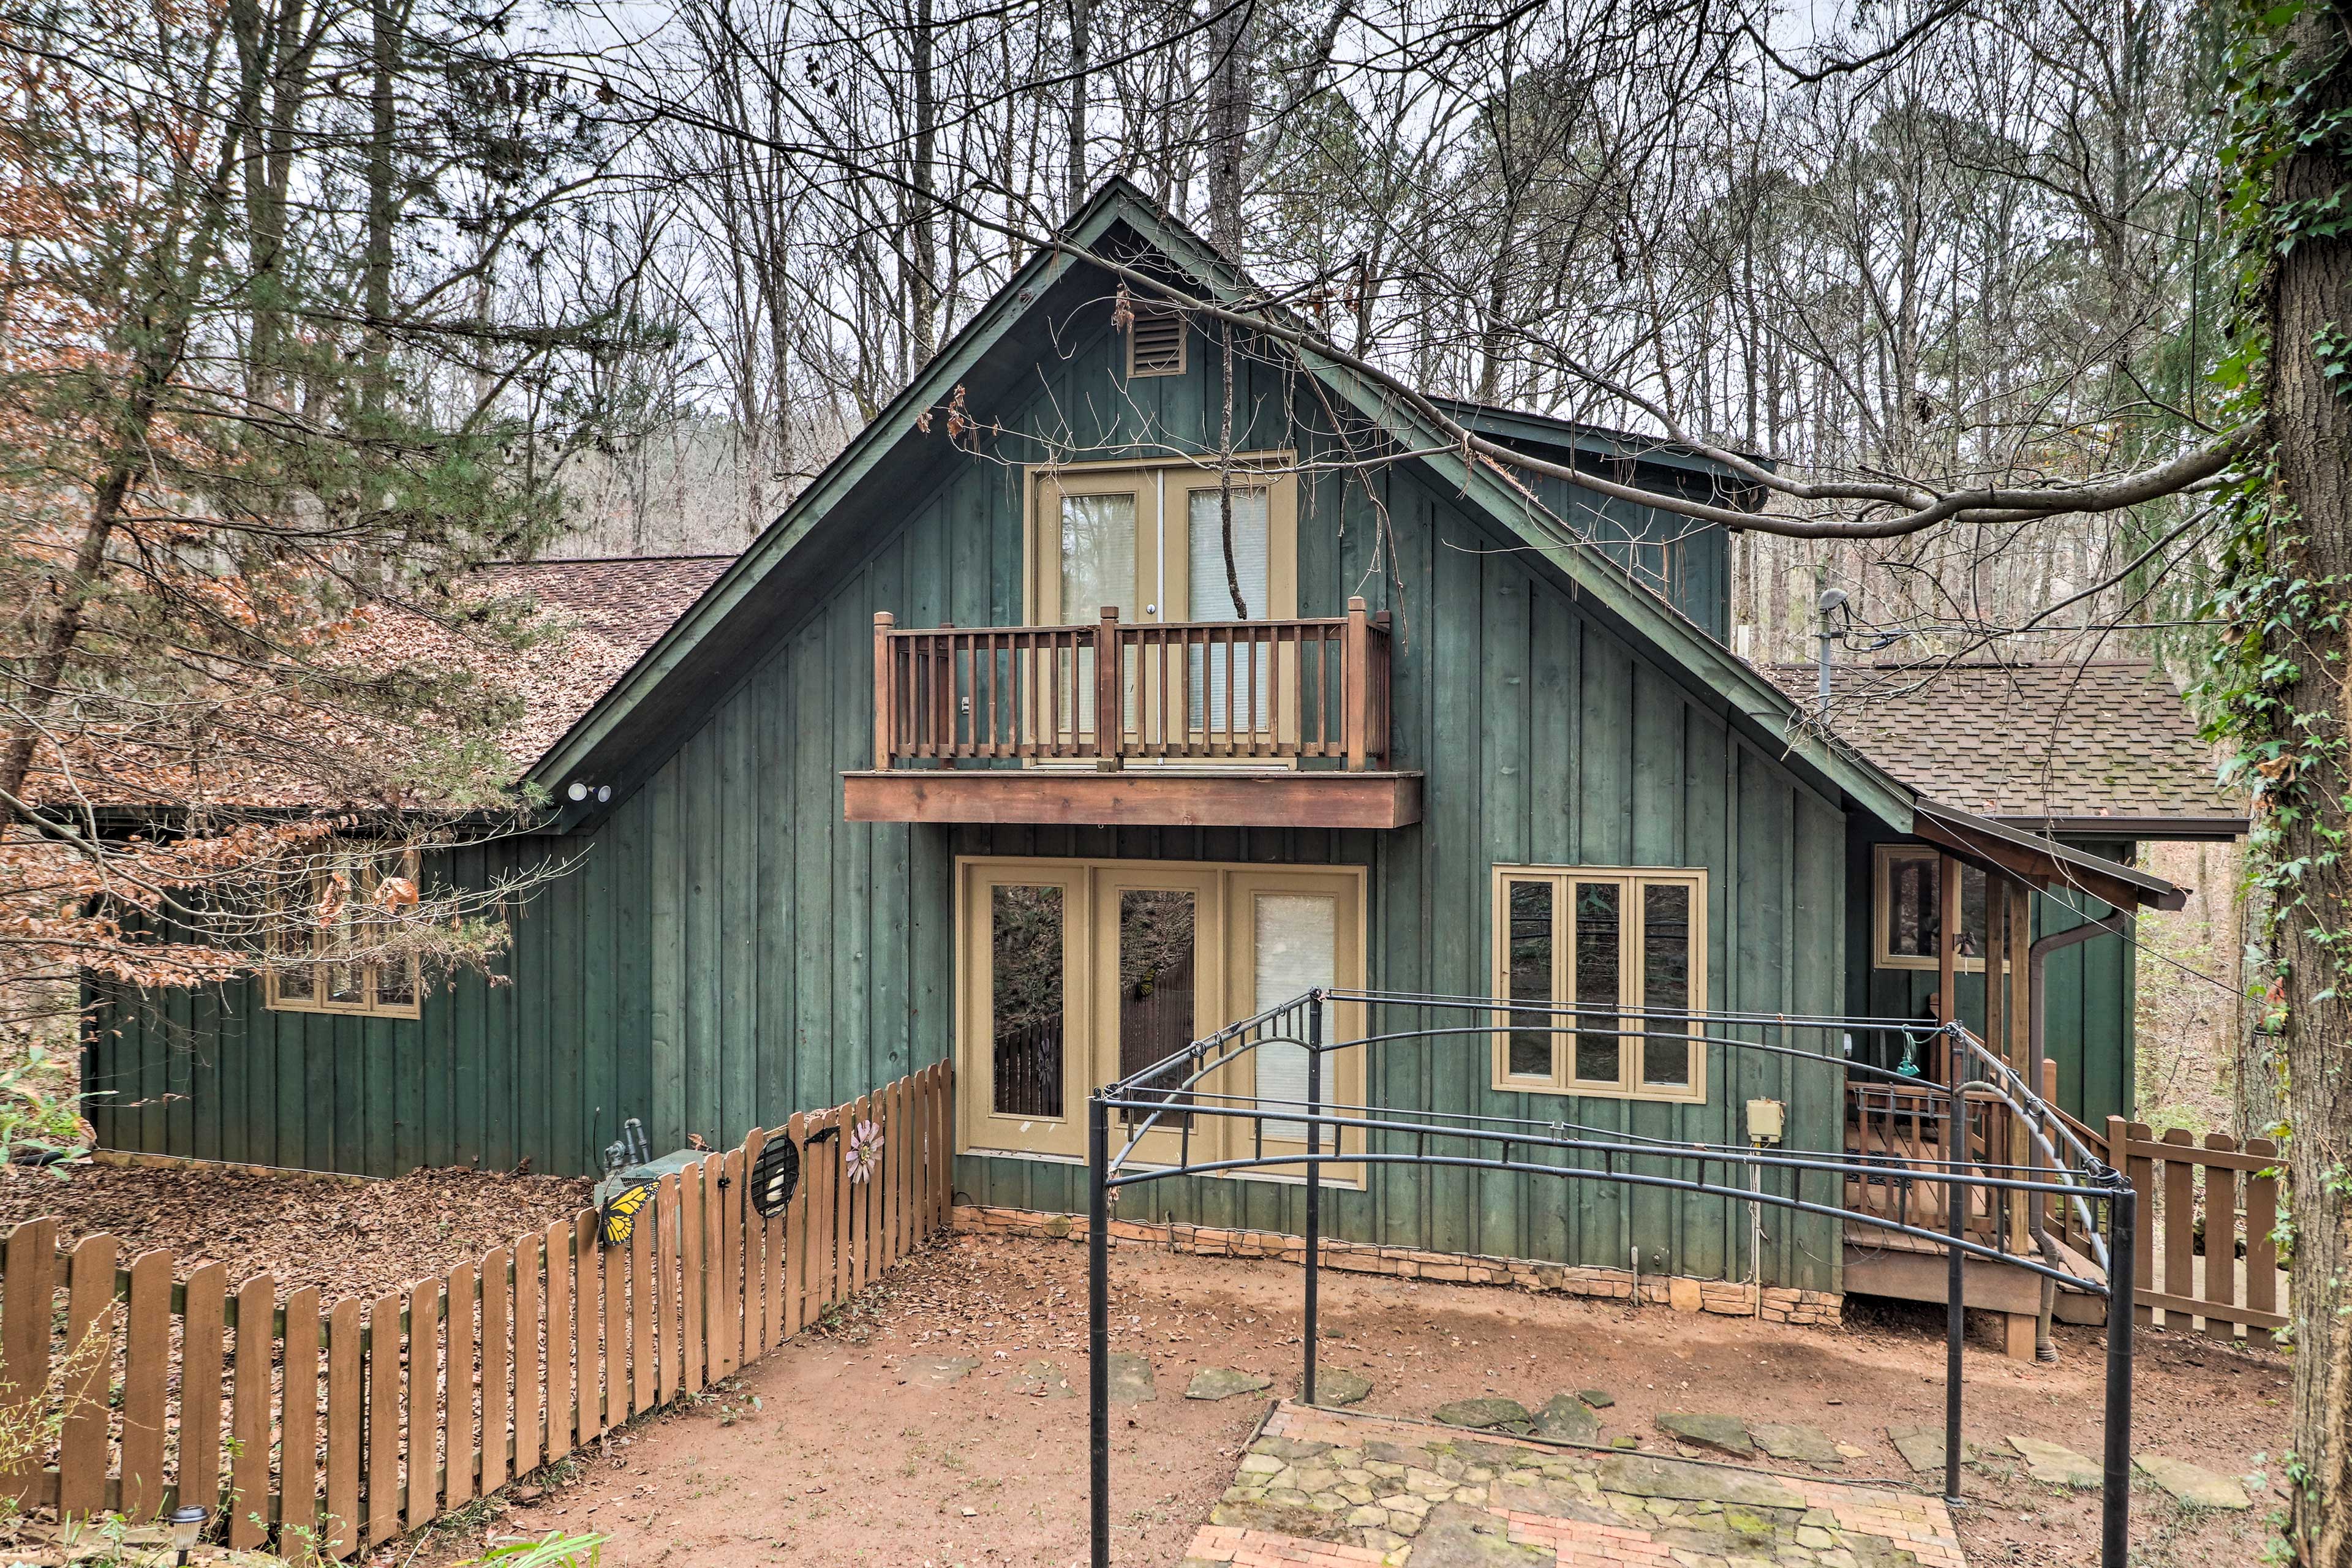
370, 1004
1883, 862
1224, 923
1630, 880
1162, 504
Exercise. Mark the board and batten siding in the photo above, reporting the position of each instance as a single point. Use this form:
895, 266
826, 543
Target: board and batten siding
727, 949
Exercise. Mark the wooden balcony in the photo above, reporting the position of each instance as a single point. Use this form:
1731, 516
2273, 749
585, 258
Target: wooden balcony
1210, 723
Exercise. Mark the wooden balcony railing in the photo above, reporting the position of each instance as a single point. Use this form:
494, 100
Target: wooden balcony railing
1176, 692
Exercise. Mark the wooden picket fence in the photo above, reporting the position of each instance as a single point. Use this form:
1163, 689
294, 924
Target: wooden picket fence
2205, 1256
351, 1423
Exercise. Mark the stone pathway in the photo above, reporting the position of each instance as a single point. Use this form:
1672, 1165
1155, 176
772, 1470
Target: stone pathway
1319, 1488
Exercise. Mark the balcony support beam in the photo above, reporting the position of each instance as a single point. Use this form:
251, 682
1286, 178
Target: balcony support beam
1135, 797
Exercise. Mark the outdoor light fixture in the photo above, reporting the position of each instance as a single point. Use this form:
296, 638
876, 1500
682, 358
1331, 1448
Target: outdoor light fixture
578, 790
187, 1522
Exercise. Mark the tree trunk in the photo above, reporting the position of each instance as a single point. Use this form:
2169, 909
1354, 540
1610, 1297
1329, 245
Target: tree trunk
382, 200
2311, 425
1081, 44
1228, 127
923, 302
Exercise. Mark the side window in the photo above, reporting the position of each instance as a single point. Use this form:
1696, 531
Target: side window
335, 949
1908, 910
1608, 967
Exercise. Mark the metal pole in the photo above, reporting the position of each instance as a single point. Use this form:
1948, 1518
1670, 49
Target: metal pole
1955, 1312
2114, 1488
1098, 1324
1314, 1183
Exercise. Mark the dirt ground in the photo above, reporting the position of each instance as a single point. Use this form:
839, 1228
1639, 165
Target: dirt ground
832, 1451
349, 1238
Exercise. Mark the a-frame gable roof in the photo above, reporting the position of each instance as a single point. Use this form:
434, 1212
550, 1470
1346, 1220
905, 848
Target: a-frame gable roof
629, 717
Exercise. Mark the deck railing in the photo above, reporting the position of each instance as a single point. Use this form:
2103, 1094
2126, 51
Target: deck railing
1274, 691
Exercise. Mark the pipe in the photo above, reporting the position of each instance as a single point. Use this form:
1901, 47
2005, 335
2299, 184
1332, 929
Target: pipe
2115, 1480
1314, 1185
1098, 1326
1956, 1328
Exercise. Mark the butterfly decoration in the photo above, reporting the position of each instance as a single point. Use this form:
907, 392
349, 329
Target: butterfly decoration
864, 1151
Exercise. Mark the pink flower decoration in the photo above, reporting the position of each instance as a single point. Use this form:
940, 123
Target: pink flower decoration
864, 1151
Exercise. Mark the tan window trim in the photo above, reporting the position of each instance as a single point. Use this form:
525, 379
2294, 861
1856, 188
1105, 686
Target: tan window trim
1561, 881
1226, 928
369, 1003
1884, 859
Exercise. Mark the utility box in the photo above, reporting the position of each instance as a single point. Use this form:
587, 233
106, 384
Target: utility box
632, 1178
1767, 1121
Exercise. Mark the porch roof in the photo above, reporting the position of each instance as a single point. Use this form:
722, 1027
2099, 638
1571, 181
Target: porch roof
2106, 747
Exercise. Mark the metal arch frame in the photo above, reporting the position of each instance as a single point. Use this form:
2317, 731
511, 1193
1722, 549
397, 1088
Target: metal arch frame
1176, 1084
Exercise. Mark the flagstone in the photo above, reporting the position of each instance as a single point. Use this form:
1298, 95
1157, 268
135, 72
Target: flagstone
1794, 1440
1336, 1385
2056, 1465
1486, 1414
1726, 1434
938, 1371
1639, 1475
1567, 1418
1224, 1383
2192, 1484
1130, 1380
1922, 1448
1044, 1380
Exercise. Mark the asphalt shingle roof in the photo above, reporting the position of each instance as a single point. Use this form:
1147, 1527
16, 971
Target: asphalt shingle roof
616, 609
2067, 746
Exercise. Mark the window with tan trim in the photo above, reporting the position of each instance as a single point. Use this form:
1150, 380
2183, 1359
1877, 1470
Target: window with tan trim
1148, 540
355, 893
1908, 912
1596, 937
1074, 974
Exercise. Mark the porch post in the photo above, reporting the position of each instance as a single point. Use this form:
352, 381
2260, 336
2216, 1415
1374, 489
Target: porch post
885, 707
1358, 681
1947, 971
1110, 708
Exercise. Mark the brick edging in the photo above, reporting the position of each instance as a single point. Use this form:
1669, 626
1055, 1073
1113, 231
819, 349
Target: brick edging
1729, 1298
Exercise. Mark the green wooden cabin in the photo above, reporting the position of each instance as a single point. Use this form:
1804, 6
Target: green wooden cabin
815, 850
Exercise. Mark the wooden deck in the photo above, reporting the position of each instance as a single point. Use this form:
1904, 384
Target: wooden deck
1902, 1136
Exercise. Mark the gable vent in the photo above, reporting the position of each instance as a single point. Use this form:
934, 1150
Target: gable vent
1155, 343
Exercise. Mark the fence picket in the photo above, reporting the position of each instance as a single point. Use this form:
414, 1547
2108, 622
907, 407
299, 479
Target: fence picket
390, 1413
26, 1322
2222, 1240
89, 1316
423, 1394
612, 1263
641, 1313
146, 1384
729, 1206
755, 1255
2261, 1247
495, 1362
383, 1438
666, 1294
557, 1238
298, 1449
200, 1386
795, 1232
248, 1507
530, 1369
340, 1532
588, 1375
691, 1280
458, 1451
